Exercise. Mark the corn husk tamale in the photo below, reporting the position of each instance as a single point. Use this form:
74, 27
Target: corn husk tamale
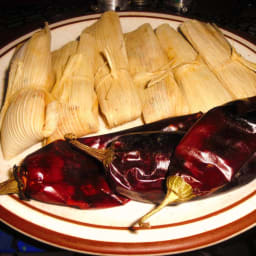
29, 112
31, 116
163, 99
30, 67
179, 51
60, 58
216, 51
118, 98
149, 65
74, 90
144, 51
199, 84
201, 87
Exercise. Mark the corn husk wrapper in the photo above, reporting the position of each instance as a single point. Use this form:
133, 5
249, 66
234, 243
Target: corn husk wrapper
31, 116
201, 87
177, 48
60, 58
144, 50
164, 98
235, 73
149, 64
118, 98
30, 67
78, 111
29, 112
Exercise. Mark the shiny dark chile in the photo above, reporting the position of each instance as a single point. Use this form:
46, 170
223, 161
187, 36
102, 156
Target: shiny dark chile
220, 148
140, 163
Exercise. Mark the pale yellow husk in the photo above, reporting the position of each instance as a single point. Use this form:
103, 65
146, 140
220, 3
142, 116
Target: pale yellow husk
30, 67
29, 113
177, 48
201, 87
236, 74
118, 98
31, 116
60, 58
149, 64
164, 98
144, 50
74, 90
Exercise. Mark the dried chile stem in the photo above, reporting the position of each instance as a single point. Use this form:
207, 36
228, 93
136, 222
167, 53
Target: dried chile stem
99, 154
9, 186
177, 191
171, 197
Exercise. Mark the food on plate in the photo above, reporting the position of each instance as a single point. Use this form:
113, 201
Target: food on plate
118, 98
160, 95
199, 85
31, 116
59, 174
136, 164
220, 56
60, 58
177, 48
29, 112
111, 77
117, 77
74, 90
218, 149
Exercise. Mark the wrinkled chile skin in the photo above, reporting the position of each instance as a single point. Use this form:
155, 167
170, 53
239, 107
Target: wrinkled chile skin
140, 164
58, 174
219, 149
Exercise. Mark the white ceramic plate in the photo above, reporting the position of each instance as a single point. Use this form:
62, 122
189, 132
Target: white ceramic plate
175, 229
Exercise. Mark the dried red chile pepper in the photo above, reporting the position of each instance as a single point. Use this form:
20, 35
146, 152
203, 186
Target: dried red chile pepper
137, 163
60, 175
218, 150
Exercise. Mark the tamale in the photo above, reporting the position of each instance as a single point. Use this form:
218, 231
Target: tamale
30, 66
177, 48
216, 51
202, 88
78, 111
118, 98
29, 112
149, 64
60, 58
144, 50
31, 116
164, 98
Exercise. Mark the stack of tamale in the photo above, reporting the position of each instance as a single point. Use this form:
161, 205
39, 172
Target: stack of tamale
74, 88
149, 65
201, 87
234, 73
118, 98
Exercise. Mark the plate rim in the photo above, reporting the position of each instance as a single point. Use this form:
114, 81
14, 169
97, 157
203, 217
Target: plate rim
83, 245
179, 245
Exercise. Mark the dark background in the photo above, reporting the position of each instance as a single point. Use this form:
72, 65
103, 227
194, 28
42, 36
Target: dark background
17, 17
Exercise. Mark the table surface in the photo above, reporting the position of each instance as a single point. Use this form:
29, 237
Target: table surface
19, 17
